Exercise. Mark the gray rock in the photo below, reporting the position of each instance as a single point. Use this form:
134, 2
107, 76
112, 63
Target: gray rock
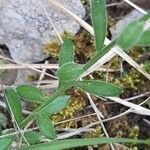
24, 27
121, 24
8, 77
23, 76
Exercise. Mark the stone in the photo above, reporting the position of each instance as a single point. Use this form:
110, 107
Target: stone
121, 24
25, 76
24, 27
8, 77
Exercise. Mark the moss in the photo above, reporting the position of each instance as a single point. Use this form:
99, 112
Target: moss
111, 22
146, 66
132, 81
83, 43
134, 132
94, 133
52, 48
85, 2
77, 102
32, 78
119, 128
135, 52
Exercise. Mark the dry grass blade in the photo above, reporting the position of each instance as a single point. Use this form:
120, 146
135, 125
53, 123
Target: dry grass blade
24, 66
100, 62
131, 62
99, 115
42, 74
135, 6
136, 108
85, 128
99, 118
138, 96
45, 66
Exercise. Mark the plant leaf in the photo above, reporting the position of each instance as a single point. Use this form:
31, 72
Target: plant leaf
30, 93
45, 125
131, 35
99, 21
32, 137
13, 103
5, 143
145, 17
65, 86
71, 143
99, 88
56, 105
66, 52
145, 39
68, 72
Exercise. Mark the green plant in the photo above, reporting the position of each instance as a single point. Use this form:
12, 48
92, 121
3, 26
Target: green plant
69, 75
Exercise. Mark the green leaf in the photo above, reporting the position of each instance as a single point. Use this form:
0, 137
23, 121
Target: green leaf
45, 125
145, 17
145, 39
32, 137
71, 143
131, 35
67, 86
68, 72
56, 105
5, 143
99, 21
66, 52
99, 88
30, 93
13, 103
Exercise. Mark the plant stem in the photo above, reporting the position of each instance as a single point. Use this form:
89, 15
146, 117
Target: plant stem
68, 85
99, 55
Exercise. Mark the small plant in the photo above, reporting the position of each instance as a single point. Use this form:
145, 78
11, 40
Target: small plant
69, 75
